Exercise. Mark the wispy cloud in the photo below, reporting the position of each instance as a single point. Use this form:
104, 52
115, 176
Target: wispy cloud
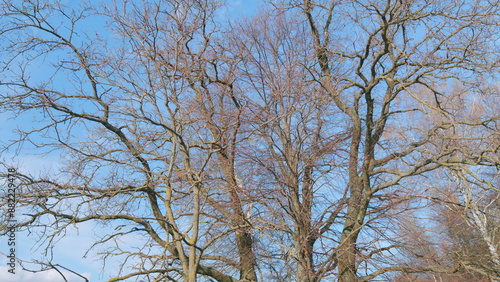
46, 276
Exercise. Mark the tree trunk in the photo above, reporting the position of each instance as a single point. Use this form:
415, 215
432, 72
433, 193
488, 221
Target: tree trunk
247, 259
346, 252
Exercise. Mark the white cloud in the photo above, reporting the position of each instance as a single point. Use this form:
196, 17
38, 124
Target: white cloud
46, 276
68, 250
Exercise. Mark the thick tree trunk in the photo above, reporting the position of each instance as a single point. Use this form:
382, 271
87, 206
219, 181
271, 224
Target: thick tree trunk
305, 269
304, 243
346, 252
244, 239
356, 212
304, 235
347, 259
247, 258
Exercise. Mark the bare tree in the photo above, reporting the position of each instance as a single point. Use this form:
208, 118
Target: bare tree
297, 146
375, 60
139, 141
293, 146
470, 209
459, 226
